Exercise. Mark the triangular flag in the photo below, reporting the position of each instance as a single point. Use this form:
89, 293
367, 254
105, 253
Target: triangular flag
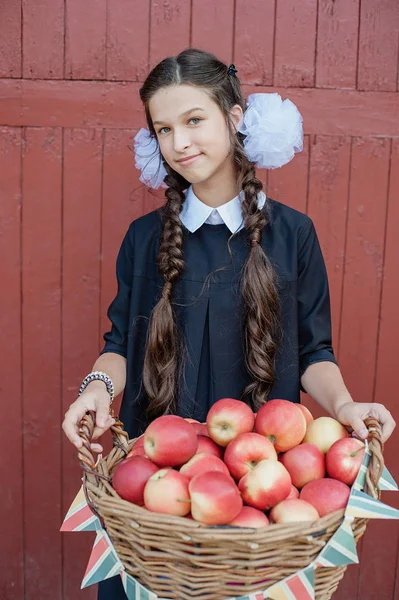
254, 596
299, 586
340, 550
387, 482
361, 476
103, 561
364, 506
79, 516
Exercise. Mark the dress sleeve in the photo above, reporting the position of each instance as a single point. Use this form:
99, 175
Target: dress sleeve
119, 310
314, 312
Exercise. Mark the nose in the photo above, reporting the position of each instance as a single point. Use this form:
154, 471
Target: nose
181, 140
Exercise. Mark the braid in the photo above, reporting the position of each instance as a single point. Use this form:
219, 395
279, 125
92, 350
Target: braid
164, 345
260, 295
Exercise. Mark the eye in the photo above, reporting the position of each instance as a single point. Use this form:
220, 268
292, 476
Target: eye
196, 119
162, 130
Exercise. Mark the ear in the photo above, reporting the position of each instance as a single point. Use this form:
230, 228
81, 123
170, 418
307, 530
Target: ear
236, 115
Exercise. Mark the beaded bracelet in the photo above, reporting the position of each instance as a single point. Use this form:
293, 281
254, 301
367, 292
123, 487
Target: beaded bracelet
99, 376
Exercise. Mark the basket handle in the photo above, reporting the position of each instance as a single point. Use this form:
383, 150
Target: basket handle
86, 428
376, 465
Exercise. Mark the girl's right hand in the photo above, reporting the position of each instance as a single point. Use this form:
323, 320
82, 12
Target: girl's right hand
94, 398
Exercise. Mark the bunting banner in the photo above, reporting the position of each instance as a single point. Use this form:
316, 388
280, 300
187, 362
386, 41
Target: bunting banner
134, 590
296, 587
80, 516
340, 549
103, 561
364, 506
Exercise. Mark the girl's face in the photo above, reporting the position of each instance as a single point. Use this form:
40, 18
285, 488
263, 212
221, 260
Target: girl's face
192, 132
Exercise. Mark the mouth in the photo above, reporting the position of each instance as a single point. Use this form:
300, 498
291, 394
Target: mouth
189, 160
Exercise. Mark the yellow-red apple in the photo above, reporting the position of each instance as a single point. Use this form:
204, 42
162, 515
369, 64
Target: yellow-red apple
324, 431
208, 446
250, 517
266, 485
282, 422
326, 495
170, 441
215, 499
306, 412
294, 493
344, 458
201, 463
130, 477
227, 418
167, 492
246, 451
304, 463
292, 511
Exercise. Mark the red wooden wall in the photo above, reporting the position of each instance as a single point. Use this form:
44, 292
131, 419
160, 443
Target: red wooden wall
70, 73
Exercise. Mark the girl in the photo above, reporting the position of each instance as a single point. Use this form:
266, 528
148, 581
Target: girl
223, 292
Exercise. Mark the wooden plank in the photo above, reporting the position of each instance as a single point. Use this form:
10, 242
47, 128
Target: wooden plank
117, 105
253, 41
85, 39
174, 17
10, 39
337, 38
294, 59
43, 39
209, 20
41, 344
80, 317
378, 45
126, 58
381, 539
11, 462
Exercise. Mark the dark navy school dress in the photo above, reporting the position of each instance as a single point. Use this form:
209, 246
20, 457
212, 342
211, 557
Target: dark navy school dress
210, 315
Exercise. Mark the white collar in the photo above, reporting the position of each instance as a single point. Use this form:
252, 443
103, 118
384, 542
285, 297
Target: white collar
195, 213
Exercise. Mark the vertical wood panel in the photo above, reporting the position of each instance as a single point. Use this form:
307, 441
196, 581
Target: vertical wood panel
378, 45
381, 542
85, 39
127, 39
41, 264
11, 465
212, 27
253, 41
43, 39
10, 38
337, 38
81, 299
294, 59
172, 17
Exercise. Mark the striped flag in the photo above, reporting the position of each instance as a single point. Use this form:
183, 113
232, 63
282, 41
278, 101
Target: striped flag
340, 549
80, 517
134, 590
364, 506
254, 596
387, 482
297, 587
103, 561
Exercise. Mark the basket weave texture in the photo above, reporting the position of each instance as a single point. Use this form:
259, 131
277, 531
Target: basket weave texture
182, 559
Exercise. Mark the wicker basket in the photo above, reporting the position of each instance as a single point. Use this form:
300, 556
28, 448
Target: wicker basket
182, 559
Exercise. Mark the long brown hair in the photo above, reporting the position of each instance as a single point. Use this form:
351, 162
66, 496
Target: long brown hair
164, 348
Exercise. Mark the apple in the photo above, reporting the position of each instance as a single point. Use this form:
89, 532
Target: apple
215, 499
294, 493
208, 446
201, 463
170, 441
266, 485
138, 448
246, 451
250, 517
200, 429
282, 422
306, 412
344, 458
324, 431
167, 492
326, 495
292, 511
227, 418
130, 477
304, 463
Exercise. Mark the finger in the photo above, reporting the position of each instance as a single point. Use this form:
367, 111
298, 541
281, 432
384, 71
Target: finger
96, 448
102, 414
70, 425
359, 428
99, 431
388, 424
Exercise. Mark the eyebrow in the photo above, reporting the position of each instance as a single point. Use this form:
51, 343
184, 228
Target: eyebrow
187, 112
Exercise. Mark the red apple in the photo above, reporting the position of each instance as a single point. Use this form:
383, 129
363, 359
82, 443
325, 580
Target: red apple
326, 495
292, 511
304, 463
306, 412
246, 451
266, 485
201, 463
227, 418
167, 492
344, 458
250, 517
130, 477
324, 431
282, 422
200, 429
138, 448
294, 493
170, 441
215, 499
208, 446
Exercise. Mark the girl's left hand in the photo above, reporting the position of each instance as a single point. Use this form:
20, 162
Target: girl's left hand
353, 414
